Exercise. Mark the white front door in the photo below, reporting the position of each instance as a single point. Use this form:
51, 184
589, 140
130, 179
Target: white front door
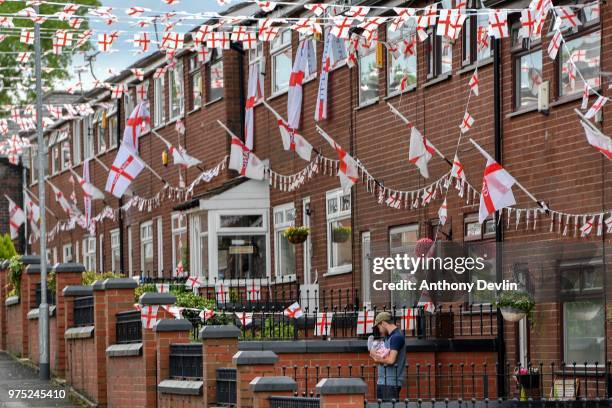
309, 288
366, 266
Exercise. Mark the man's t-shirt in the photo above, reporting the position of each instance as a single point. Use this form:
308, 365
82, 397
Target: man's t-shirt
394, 374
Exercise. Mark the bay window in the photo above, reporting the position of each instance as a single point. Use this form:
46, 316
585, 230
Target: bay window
280, 53
89, 253
175, 93
146, 247
284, 251
179, 244
215, 83
402, 70
339, 232
368, 74
159, 111
115, 251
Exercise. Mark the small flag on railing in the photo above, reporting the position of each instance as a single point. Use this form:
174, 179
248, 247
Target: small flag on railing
408, 319
162, 287
221, 292
193, 282
245, 318
324, 321
175, 311
206, 314
365, 322
294, 311
253, 291
148, 316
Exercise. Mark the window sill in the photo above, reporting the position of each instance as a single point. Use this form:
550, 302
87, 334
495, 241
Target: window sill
207, 104
522, 111
411, 88
338, 271
194, 110
478, 64
437, 80
277, 94
367, 104
562, 100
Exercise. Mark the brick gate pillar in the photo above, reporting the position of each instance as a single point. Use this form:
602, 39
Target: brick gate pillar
250, 365
265, 387
342, 392
219, 344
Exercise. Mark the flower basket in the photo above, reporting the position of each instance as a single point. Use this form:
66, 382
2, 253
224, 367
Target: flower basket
529, 381
341, 234
512, 314
297, 235
515, 305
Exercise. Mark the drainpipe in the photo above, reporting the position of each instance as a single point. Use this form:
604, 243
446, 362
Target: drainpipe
120, 216
499, 237
242, 96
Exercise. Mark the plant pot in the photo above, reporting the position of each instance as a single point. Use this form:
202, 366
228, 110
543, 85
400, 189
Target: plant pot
512, 314
340, 236
297, 239
529, 381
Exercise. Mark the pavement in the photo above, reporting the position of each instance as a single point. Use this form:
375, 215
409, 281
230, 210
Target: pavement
21, 388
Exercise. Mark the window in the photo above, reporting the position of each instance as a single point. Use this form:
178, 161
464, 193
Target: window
439, 52
242, 246
476, 40
67, 253
175, 93
402, 240
88, 141
284, 251
100, 123
55, 159
204, 244
280, 53
159, 114
368, 73
474, 231
101, 252
402, 70
63, 146
215, 76
339, 232
115, 250
160, 248
76, 141
111, 126
581, 53
129, 104
146, 247
527, 70
195, 80
89, 253
583, 311
130, 253
179, 246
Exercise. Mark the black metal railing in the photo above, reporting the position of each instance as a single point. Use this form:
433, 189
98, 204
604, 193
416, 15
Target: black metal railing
470, 381
50, 296
128, 327
83, 311
226, 386
186, 361
294, 402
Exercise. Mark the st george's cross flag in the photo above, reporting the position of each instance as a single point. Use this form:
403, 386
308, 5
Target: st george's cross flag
293, 141
334, 52
162, 287
206, 314
496, 188
126, 167
408, 318
16, 217
32, 211
304, 60
180, 157
89, 190
323, 325
139, 120
245, 318
148, 316
244, 161
457, 170
222, 292
294, 311
443, 213
598, 140
420, 152
254, 93
175, 311
365, 321
347, 167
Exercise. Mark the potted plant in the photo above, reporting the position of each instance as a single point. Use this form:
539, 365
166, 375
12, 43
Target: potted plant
296, 235
341, 233
515, 305
528, 377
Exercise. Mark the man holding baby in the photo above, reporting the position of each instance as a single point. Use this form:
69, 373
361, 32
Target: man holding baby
391, 358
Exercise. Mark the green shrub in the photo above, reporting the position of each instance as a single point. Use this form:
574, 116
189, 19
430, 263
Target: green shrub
91, 277
271, 330
146, 288
7, 249
14, 276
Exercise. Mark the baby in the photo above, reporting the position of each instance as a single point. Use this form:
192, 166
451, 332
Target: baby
377, 347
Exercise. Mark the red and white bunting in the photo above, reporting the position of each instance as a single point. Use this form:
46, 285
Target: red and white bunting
138, 73
172, 41
426, 19
135, 11
106, 41
26, 36
266, 6
206, 315
359, 13
148, 316
443, 213
323, 325
457, 170
222, 292
473, 84
160, 72
498, 23
408, 319
83, 38
253, 291
347, 166
608, 223
142, 42
587, 227
554, 45
16, 217
126, 167
341, 26
420, 152
450, 22
566, 18
316, 8
244, 161
117, 91
466, 123
403, 15
294, 311
365, 322
428, 194
193, 282
596, 107
245, 319
218, 39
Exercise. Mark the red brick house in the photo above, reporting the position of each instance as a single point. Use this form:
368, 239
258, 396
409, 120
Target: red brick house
545, 150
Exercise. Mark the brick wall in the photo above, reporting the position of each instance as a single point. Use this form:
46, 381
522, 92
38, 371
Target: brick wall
14, 330
81, 372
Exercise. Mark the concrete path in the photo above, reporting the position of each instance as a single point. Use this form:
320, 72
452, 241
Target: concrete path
19, 385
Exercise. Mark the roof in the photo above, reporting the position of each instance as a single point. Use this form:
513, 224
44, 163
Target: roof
194, 202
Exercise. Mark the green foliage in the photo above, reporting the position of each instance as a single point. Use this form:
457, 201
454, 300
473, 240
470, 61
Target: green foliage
142, 289
296, 235
7, 249
60, 62
517, 300
91, 277
271, 330
191, 300
14, 276
51, 281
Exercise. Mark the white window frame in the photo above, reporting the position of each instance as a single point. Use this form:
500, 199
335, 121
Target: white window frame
130, 255
54, 255
277, 49
67, 253
360, 56
215, 59
330, 218
76, 251
181, 229
115, 242
111, 130
88, 139
159, 113
76, 141
144, 240
178, 71
160, 247
89, 254
101, 251
279, 228
390, 57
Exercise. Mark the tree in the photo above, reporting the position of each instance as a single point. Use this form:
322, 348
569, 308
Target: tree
13, 73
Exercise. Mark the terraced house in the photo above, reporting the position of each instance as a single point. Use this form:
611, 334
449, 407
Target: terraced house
230, 229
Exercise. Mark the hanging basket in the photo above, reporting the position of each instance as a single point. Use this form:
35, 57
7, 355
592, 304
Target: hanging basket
512, 314
340, 235
297, 239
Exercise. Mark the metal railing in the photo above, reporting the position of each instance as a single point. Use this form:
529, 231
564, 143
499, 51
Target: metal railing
128, 327
226, 386
294, 402
186, 361
83, 311
50, 296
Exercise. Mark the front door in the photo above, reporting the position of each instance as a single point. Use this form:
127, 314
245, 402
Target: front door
309, 288
366, 268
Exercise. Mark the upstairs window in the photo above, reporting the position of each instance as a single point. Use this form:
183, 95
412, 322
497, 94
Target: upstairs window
159, 112
368, 73
439, 52
100, 123
88, 141
111, 126
215, 76
527, 57
175, 93
195, 81
76, 141
65, 150
475, 34
402, 64
280, 53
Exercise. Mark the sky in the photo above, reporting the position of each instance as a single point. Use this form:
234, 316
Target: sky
125, 51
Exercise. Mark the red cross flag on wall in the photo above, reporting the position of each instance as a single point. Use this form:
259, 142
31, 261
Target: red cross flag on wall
347, 166
498, 23
324, 321
293, 141
148, 316
365, 321
420, 152
16, 217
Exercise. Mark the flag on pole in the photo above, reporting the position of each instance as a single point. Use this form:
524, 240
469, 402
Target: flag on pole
180, 157
443, 213
244, 161
496, 188
420, 152
33, 214
298, 73
347, 168
334, 51
138, 121
126, 167
457, 170
254, 93
293, 141
16, 217
598, 140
